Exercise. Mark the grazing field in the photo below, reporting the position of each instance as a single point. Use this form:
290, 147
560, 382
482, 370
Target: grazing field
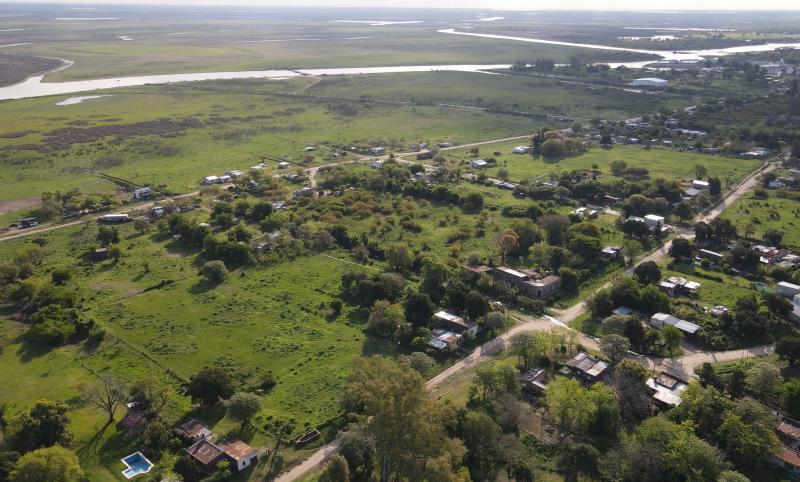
753, 216
661, 163
171, 136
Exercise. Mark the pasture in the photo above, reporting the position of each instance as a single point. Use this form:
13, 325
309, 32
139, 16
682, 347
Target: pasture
753, 216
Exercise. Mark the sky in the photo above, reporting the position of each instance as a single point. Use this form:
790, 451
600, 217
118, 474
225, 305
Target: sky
667, 5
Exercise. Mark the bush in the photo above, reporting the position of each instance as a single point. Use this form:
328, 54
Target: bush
214, 271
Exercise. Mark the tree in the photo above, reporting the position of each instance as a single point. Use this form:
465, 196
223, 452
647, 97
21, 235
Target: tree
747, 435
629, 384
570, 282
400, 417
556, 226
53, 464
419, 361
681, 248
615, 347
279, 429
553, 148
149, 394
359, 451
495, 320
708, 376
492, 381
385, 318
672, 338
507, 241
418, 308
60, 275
107, 235
399, 257
433, 281
714, 186
684, 210
44, 426
141, 226
214, 271
732, 476
578, 409
336, 470
528, 347
114, 252
790, 397
763, 379
209, 385
700, 171
476, 305
108, 396
578, 459
243, 407
788, 349
482, 438
772, 237
648, 272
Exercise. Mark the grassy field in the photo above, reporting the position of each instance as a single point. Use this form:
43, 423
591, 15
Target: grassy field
762, 214
712, 292
174, 135
661, 163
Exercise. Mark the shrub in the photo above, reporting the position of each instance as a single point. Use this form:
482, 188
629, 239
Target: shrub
214, 271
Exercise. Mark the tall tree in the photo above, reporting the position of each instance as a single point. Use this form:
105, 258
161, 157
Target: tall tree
46, 425
108, 395
51, 464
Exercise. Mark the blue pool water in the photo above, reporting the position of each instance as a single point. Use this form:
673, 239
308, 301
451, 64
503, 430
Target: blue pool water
137, 464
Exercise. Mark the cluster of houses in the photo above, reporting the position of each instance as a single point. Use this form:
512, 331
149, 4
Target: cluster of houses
526, 281
223, 179
770, 255
676, 286
585, 213
653, 221
208, 451
451, 330
665, 389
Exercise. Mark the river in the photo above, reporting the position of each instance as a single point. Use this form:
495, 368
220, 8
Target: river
36, 87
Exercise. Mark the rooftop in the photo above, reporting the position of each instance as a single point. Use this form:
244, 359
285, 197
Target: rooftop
237, 450
205, 451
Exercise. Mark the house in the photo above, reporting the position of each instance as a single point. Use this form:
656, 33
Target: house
585, 367
659, 320
650, 82
718, 311
283, 165
308, 149
478, 164
521, 150
788, 290
539, 288
235, 174
533, 380
157, 212
654, 221
304, 191
142, 193
224, 179
210, 180
776, 185
456, 324
510, 276
444, 340
585, 213
240, 454
678, 286
206, 454
691, 192
712, 256
258, 167
666, 390
377, 150
612, 252
194, 430
757, 153
698, 184
477, 269
611, 200
376, 164
114, 218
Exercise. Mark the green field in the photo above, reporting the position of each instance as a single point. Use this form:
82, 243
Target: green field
777, 213
661, 163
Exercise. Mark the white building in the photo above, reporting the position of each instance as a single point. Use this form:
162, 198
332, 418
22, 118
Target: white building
142, 193
377, 150
283, 165
659, 320
788, 290
376, 164
521, 150
235, 174
210, 180
698, 184
650, 82
478, 164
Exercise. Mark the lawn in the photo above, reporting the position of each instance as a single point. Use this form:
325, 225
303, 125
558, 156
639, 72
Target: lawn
777, 213
724, 290
661, 163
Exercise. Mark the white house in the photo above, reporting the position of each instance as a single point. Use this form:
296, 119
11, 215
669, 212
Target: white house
377, 150
224, 179
776, 185
456, 324
478, 164
308, 149
376, 164
698, 184
659, 320
235, 174
521, 150
142, 193
650, 82
210, 180
788, 290
115, 218
283, 165
653, 221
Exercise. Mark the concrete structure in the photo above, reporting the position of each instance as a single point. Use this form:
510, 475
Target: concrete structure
533, 380
283, 165
698, 184
667, 390
443, 340
612, 252
478, 164
376, 164
585, 213
788, 290
525, 283
712, 256
650, 82
142, 193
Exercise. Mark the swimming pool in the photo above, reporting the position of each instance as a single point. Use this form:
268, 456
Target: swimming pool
136, 464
